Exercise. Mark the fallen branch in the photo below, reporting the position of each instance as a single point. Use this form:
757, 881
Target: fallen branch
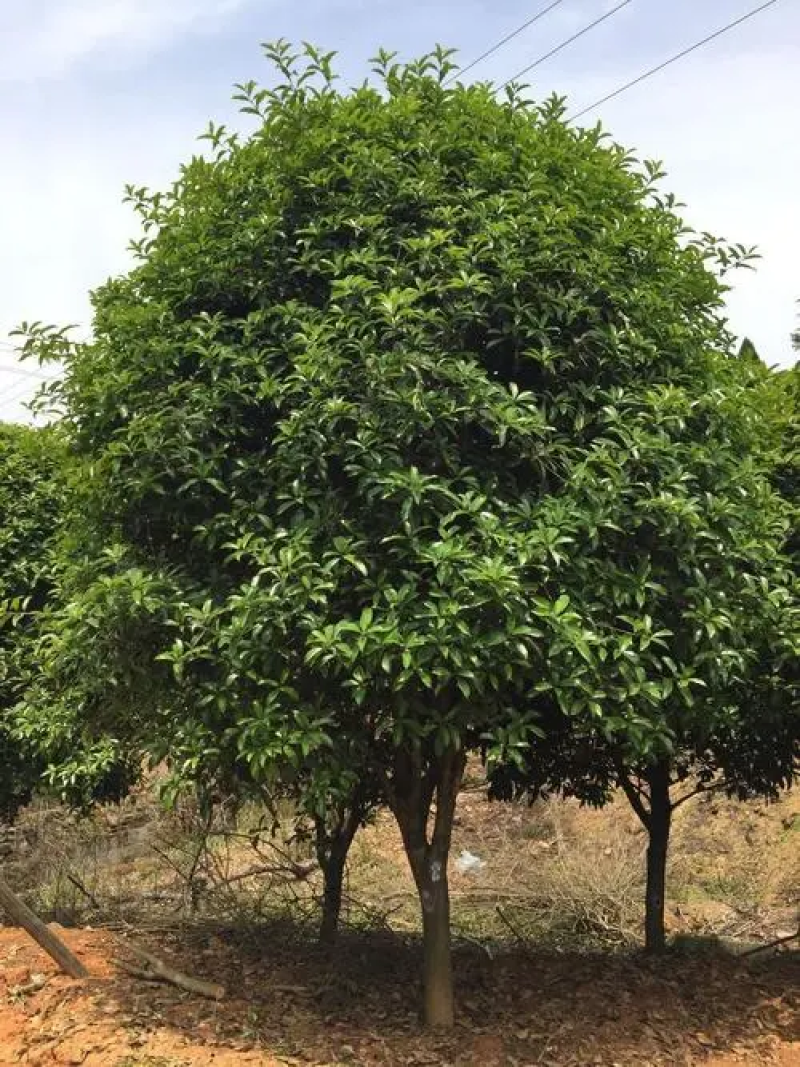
40, 932
155, 970
772, 944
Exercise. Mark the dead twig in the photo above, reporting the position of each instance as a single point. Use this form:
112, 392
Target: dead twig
785, 940
82, 889
507, 922
37, 982
296, 871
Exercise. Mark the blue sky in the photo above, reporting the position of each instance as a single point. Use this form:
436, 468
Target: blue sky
97, 93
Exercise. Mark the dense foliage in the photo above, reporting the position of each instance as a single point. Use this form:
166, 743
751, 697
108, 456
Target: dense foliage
34, 501
31, 493
414, 406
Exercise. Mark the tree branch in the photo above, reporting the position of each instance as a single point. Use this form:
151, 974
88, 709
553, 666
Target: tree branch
156, 970
635, 796
452, 767
713, 788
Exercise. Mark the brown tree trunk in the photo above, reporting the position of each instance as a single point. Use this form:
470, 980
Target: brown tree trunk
438, 961
418, 783
332, 890
333, 846
41, 934
655, 939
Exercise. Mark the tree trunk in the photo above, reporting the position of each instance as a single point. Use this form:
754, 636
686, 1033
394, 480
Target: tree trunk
417, 783
41, 934
658, 844
438, 965
333, 846
333, 884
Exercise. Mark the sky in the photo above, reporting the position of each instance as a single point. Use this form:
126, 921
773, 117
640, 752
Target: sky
98, 93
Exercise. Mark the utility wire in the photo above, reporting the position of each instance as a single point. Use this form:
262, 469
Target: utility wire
509, 37
21, 393
569, 40
13, 401
24, 372
675, 58
18, 390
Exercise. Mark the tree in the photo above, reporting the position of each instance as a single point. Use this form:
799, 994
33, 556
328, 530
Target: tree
336, 432
34, 501
30, 504
341, 792
708, 626
331, 795
32, 487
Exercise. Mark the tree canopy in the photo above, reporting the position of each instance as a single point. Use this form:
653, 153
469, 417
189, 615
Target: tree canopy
31, 495
34, 504
408, 411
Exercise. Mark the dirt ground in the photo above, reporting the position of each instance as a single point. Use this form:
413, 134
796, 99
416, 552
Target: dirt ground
546, 935
287, 1003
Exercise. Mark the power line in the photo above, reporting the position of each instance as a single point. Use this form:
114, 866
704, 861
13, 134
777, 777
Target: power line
25, 372
14, 400
16, 394
21, 393
675, 58
509, 37
569, 40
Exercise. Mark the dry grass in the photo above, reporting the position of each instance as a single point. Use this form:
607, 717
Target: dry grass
554, 874
136, 864
735, 867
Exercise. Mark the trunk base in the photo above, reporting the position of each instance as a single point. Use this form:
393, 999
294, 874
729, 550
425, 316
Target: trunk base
438, 971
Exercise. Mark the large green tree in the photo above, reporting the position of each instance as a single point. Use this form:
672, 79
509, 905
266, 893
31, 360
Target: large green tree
347, 429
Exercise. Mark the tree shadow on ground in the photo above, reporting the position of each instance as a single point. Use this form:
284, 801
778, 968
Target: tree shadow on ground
358, 1003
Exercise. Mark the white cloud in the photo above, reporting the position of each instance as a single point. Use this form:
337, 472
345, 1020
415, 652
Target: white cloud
46, 38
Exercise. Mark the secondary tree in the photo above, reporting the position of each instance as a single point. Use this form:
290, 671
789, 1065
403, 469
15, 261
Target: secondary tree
336, 429
31, 494
693, 590
35, 500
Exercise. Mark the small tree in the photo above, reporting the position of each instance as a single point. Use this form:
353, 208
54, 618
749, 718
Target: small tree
336, 432
331, 795
342, 791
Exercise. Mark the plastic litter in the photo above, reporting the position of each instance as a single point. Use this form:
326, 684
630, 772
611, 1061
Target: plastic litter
469, 863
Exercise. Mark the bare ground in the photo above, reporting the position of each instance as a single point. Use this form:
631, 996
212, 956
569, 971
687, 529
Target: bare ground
288, 1003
